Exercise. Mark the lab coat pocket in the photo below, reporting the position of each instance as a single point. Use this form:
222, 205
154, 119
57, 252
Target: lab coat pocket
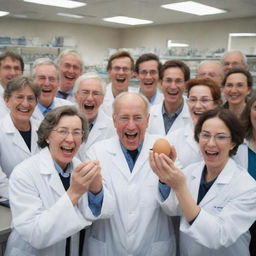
163, 248
96, 247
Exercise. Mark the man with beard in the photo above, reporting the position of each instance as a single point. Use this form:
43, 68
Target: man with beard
71, 67
173, 112
147, 70
11, 65
45, 73
120, 70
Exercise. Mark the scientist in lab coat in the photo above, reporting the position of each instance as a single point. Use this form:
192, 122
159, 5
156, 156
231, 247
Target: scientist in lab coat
216, 197
138, 226
53, 195
18, 137
89, 91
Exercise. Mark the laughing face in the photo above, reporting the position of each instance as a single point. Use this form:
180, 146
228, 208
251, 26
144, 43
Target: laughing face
89, 97
120, 74
148, 77
21, 104
200, 100
63, 147
70, 70
46, 78
215, 151
131, 121
173, 86
236, 89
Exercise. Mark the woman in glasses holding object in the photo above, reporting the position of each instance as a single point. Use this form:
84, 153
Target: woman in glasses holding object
216, 197
52, 194
202, 94
18, 135
237, 85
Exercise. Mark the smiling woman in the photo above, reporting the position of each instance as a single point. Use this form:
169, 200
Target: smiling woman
18, 129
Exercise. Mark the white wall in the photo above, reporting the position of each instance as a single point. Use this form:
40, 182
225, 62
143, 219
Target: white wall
205, 35
93, 42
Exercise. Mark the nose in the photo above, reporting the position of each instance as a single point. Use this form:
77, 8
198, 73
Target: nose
25, 102
69, 137
198, 104
211, 141
131, 123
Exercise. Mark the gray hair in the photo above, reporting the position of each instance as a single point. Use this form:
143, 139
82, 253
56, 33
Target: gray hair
53, 117
244, 58
44, 61
125, 94
86, 76
21, 82
211, 62
70, 52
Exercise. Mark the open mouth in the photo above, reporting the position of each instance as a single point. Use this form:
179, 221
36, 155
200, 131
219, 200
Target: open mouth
121, 80
68, 77
173, 93
23, 110
131, 135
89, 107
198, 113
211, 153
148, 83
67, 149
46, 90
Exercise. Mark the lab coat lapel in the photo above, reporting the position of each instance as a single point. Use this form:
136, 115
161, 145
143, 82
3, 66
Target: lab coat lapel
118, 158
219, 185
34, 137
195, 180
47, 168
189, 136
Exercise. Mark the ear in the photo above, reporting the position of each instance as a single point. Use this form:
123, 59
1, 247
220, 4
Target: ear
6, 101
232, 145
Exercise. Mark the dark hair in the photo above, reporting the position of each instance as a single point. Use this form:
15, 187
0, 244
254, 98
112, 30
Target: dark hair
175, 64
147, 57
246, 73
230, 120
13, 56
21, 82
246, 117
117, 55
206, 81
53, 117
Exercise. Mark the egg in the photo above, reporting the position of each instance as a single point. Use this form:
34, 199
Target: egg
162, 146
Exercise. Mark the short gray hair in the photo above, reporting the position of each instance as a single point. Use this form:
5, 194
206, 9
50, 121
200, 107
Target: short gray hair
125, 94
244, 58
44, 61
86, 76
70, 52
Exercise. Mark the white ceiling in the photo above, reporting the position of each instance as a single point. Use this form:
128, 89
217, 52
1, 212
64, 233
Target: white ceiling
95, 10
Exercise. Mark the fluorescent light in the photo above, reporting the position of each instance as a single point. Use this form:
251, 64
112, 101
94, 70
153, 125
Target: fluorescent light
19, 16
70, 15
242, 34
170, 44
193, 8
58, 3
2, 13
127, 20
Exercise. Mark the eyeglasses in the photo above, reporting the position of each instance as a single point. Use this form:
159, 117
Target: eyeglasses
86, 93
176, 81
125, 119
218, 138
203, 101
21, 98
69, 66
9, 68
65, 132
151, 72
51, 79
210, 74
232, 64
118, 69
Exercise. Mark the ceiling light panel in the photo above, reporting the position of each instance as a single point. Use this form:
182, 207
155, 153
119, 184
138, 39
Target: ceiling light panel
193, 8
70, 15
58, 3
127, 20
2, 13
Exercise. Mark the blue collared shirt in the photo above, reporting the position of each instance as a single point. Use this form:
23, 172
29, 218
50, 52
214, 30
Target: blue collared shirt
44, 109
169, 119
59, 95
152, 99
94, 200
128, 156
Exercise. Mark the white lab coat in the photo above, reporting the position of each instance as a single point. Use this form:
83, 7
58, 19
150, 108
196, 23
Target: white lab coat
13, 148
156, 121
138, 226
227, 211
103, 128
3, 108
158, 99
106, 105
43, 214
4, 184
187, 148
58, 102
241, 156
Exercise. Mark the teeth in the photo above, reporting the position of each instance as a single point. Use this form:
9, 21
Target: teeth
120, 79
88, 106
212, 153
148, 83
198, 113
24, 110
172, 93
67, 148
69, 77
131, 135
46, 90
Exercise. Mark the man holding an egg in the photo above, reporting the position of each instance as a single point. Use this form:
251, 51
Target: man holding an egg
138, 226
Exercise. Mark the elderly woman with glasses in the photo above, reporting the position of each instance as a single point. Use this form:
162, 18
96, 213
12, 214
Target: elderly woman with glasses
52, 194
202, 94
18, 135
215, 197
